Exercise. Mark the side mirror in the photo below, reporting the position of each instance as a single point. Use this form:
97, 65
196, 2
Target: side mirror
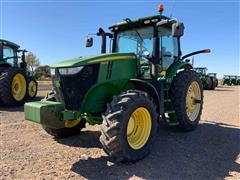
146, 54
89, 42
177, 29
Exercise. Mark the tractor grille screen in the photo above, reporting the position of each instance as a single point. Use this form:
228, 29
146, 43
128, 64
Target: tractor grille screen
73, 87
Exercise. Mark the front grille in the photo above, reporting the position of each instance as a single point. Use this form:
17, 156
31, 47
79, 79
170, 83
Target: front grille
73, 87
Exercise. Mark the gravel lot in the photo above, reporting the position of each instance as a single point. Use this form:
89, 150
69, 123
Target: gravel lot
209, 152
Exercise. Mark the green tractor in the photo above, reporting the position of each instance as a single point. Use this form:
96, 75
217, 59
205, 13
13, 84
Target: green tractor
16, 83
209, 81
142, 80
234, 80
226, 80
238, 80
230, 80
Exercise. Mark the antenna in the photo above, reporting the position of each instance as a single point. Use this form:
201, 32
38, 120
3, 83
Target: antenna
173, 2
193, 61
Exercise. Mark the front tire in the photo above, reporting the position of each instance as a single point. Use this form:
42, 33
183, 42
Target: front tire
187, 98
129, 126
71, 128
32, 88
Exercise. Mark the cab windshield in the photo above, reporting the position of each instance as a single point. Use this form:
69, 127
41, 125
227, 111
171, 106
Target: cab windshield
135, 40
8, 54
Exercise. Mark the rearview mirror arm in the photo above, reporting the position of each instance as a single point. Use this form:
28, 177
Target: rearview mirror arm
196, 52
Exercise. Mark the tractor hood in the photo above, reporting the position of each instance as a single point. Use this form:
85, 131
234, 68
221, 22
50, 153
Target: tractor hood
94, 59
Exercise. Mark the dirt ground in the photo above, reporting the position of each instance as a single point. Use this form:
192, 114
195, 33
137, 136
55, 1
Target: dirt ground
209, 152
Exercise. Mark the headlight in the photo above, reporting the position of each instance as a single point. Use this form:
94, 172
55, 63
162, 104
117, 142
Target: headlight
69, 71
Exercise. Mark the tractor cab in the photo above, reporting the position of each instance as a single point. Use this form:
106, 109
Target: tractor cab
212, 75
201, 70
9, 52
155, 40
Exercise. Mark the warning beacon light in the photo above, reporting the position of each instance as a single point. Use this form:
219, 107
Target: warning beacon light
160, 8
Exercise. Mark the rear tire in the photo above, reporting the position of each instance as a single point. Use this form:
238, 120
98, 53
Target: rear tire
129, 126
209, 83
214, 83
185, 86
13, 93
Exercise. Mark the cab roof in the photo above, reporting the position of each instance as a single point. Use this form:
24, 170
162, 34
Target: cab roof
140, 22
9, 43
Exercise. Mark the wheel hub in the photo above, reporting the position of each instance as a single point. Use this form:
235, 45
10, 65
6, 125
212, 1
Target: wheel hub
139, 128
193, 100
18, 87
32, 88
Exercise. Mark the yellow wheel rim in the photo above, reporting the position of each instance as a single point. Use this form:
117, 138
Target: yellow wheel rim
139, 128
72, 123
192, 106
19, 87
32, 88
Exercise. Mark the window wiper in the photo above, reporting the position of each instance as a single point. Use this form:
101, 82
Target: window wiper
128, 20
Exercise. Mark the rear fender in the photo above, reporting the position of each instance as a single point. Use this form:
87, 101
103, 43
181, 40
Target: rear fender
154, 89
174, 68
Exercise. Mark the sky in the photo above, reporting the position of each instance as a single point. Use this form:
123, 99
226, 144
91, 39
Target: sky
56, 30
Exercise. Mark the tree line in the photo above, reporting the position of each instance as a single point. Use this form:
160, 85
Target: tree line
34, 67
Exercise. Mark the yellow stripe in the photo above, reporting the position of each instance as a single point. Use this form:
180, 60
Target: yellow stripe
112, 58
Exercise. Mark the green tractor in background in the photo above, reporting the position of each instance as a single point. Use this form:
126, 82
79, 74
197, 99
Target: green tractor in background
234, 80
142, 80
16, 84
238, 80
227, 80
231, 80
209, 81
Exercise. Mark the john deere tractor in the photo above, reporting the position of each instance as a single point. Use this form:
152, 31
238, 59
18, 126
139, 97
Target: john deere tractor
238, 80
230, 80
16, 85
209, 81
234, 80
142, 80
226, 80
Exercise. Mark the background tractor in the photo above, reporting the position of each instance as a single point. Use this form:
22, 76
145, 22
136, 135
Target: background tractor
231, 80
142, 80
238, 80
209, 80
227, 80
16, 84
234, 80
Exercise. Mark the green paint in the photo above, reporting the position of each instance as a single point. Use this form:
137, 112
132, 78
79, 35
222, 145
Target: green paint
95, 59
47, 113
173, 69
